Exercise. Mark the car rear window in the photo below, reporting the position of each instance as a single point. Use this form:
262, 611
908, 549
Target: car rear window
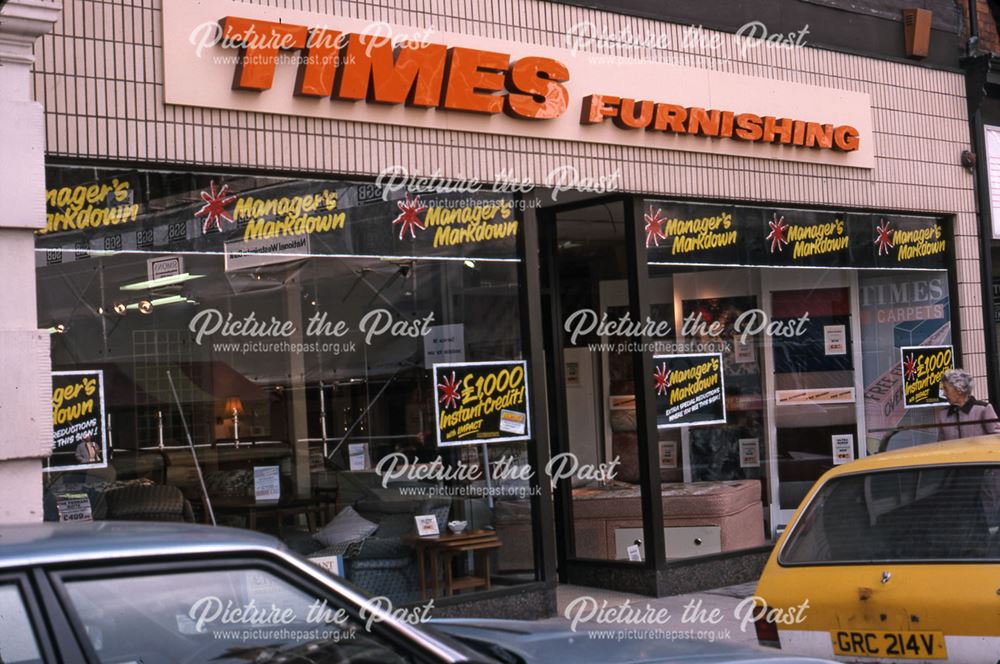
934, 513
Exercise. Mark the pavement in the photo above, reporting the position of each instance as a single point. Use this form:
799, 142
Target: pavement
714, 615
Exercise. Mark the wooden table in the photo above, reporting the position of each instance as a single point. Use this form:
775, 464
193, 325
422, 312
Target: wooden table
445, 548
315, 510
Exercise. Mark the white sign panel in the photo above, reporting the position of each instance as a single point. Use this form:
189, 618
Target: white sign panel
443, 344
243, 254
749, 453
266, 483
165, 266
835, 339
843, 448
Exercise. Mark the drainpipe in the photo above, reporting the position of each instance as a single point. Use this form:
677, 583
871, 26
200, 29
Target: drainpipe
972, 45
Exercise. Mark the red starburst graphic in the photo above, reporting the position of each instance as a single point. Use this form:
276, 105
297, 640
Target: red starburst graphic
214, 209
777, 234
884, 237
449, 391
910, 367
409, 216
662, 378
654, 230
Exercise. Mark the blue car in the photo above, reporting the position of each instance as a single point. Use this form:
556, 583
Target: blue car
159, 593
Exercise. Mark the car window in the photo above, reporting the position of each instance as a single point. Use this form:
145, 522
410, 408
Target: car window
236, 615
18, 644
939, 513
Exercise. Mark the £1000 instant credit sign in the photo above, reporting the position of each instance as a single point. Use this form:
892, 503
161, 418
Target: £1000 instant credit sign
923, 367
481, 402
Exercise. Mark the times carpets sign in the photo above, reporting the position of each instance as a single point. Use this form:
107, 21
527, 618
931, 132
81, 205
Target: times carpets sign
236, 56
481, 402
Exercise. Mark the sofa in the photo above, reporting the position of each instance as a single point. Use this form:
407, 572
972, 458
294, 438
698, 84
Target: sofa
381, 564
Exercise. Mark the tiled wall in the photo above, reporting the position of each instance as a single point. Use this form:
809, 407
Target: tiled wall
100, 78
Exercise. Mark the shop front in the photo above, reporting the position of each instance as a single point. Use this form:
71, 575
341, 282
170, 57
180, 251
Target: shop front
769, 344
473, 315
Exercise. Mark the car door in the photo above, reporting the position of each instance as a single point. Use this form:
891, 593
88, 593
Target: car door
233, 609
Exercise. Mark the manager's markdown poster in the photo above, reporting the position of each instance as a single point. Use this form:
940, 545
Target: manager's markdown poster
481, 402
79, 439
689, 390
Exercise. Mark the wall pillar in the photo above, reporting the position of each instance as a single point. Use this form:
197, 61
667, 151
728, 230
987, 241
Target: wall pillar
25, 364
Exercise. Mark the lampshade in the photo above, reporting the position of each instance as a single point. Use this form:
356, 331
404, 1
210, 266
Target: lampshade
234, 404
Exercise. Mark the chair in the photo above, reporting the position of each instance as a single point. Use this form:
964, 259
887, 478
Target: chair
148, 503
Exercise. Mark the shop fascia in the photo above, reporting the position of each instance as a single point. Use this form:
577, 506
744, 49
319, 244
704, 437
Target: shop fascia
229, 55
426, 75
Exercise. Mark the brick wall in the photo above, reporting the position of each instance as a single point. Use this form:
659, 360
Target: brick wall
989, 40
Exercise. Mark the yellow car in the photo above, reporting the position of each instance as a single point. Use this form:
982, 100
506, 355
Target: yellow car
895, 557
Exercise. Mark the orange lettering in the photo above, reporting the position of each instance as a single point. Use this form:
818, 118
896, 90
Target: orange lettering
702, 122
598, 107
413, 75
818, 136
473, 77
260, 42
748, 127
777, 129
846, 138
627, 117
317, 71
670, 117
536, 90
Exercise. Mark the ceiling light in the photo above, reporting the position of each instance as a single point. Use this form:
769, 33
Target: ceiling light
146, 306
120, 308
470, 264
58, 328
162, 281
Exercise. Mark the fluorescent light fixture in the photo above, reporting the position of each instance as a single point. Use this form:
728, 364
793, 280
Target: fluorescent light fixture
162, 281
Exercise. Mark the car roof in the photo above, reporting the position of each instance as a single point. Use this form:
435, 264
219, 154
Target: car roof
53, 543
982, 449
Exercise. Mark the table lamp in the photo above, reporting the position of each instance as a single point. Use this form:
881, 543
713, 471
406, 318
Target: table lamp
235, 406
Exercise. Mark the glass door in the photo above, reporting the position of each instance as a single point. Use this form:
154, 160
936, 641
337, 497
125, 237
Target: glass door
813, 379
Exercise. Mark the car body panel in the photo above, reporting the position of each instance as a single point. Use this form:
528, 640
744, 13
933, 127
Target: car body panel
53, 546
553, 642
959, 599
54, 553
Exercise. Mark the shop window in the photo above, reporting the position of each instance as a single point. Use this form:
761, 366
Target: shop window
287, 331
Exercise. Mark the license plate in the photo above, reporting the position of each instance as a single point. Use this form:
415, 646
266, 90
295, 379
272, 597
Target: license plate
896, 645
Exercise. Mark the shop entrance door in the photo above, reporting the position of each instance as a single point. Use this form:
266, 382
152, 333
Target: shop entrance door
813, 378
592, 413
